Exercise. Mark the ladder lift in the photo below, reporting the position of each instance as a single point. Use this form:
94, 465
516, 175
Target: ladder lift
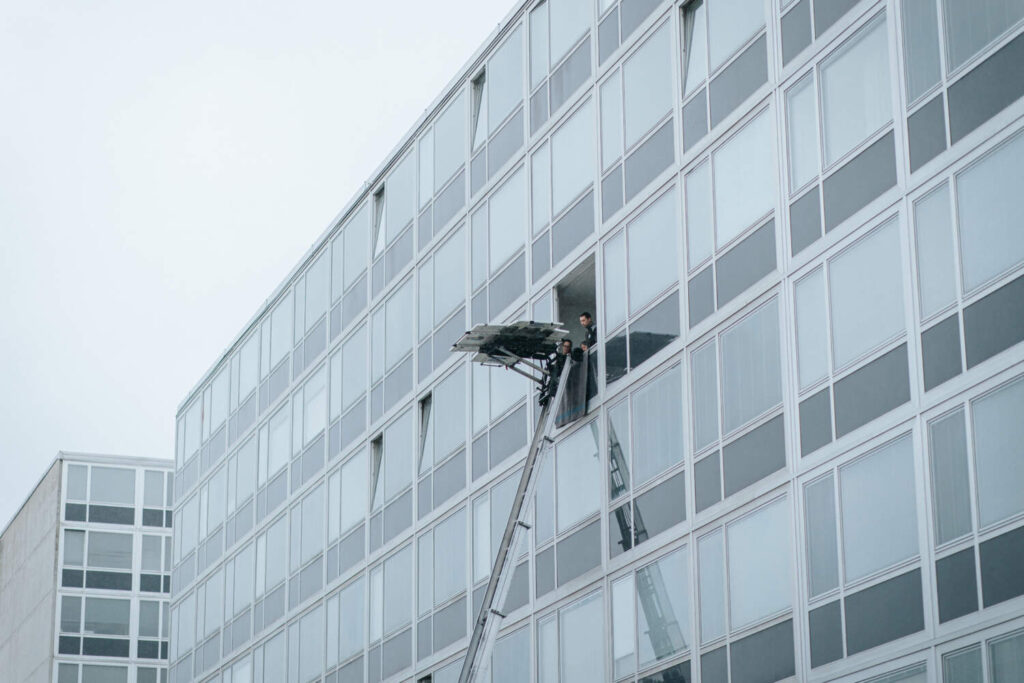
514, 347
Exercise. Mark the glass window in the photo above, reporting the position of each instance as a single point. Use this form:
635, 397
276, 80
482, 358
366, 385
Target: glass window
1006, 658
760, 571
248, 366
695, 45
193, 428
351, 606
506, 220
581, 641
935, 252
70, 613
731, 23
820, 517
658, 431
811, 328
744, 179
449, 408
968, 30
947, 440
510, 662
311, 644
570, 19
112, 485
356, 245
110, 550
663, 614
106, 616
652, 252
751, 375
866, 291
963, 666
623, 627
449, 141
151, 549
921, 46
277, 551
394, 460
699, 226
281, 330
712, 586
397, 601
314, 397
353, 379
999, 447
572, 157
76, 487
102, 673
578, 476
312, 523
611, 117
855, 92
505, 72
615, 281
991, 213
802, 110
450, 557
149, 616
540, 183
450, 275
879, 509
353, 491
401, 196
317, 278
214, 615
398, 314
154, 489
74, 547
279, 450
647, 85
704, 376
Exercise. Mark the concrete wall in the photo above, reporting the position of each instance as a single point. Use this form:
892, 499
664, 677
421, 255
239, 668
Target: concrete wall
28, 566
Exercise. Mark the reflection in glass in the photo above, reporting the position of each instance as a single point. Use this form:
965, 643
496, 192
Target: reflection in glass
663, 614
578, 476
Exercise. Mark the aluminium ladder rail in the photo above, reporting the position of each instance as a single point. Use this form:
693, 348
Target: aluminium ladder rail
488, 620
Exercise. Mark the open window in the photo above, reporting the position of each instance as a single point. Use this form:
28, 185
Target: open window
575, 295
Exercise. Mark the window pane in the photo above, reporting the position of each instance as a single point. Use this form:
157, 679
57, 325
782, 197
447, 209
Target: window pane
70, 613
970, 26
704, 376
277, 551
751, 377
744, 179
652, 252
101, 673
921, 45
822, 551
353, 380
1006, 656
963, 666
449, 406
658, 429
281, 330
106, 616
855, 90
481, 538
279, 450
572, 157
696, 46
109, 550
618, 449
947, 441
811, 328
760, 574
866, 287
398, 338
802, 110
449, 141
712, 586
511, 660
581, 641
611, 120
547, 651
505, 73
699, 228
352, 607
663, 615
999, 452
112, 485
647, 84
313, 523
540, 170
623, 627
538, 44
317, 278
935, 259
398, 590
314, 396
578, 476
151, 548
356, 244
879, 509
991, 213
731, 23
74, 547
615, 281
450, 557
506, 220
570, 19
149, 617
450, 276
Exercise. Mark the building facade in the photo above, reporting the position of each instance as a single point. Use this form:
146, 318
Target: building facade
799, 228
85, 567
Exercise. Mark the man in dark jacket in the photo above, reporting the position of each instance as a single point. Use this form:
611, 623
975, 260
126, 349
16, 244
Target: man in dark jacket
589, 329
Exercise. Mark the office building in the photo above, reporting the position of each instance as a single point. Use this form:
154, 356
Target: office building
85, 574
798, 224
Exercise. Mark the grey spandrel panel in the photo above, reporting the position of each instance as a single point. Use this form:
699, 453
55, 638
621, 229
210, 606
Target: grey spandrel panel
714, 666
765, 656
828, 12
654, 330
661, 508
579, 552
396, 653
994, 323
572, 73
519, 588
505, 143
963, 666
541, 253
425, 227
424, 638
872, 391
860, 181
746, 263
508, 286
508, 436
449, 202
986, 90
648, 160
940, 352
926, 129
539, 108
695, 119
957, 585
816, 421
450, 478
611, 193
633, 14
796, 30
544, 565
707, 481
351, 672
679, 673
805, 221
608, 35
477, 172
826, 634
353, 302
105, 647
739, 80
884, 612
700, 295
353, 423
450, 624
754, 455
110, 514
424, 360
398, 516
1001, 560
572, 228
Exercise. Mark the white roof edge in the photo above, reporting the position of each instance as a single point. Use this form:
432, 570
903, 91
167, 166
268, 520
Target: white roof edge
447, 93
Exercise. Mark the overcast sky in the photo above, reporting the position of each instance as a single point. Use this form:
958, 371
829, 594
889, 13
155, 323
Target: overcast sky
163, 166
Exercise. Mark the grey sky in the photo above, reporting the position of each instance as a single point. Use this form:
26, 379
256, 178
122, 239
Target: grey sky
162, 168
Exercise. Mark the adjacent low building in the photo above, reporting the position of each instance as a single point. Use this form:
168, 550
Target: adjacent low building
85, 574
798, 225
